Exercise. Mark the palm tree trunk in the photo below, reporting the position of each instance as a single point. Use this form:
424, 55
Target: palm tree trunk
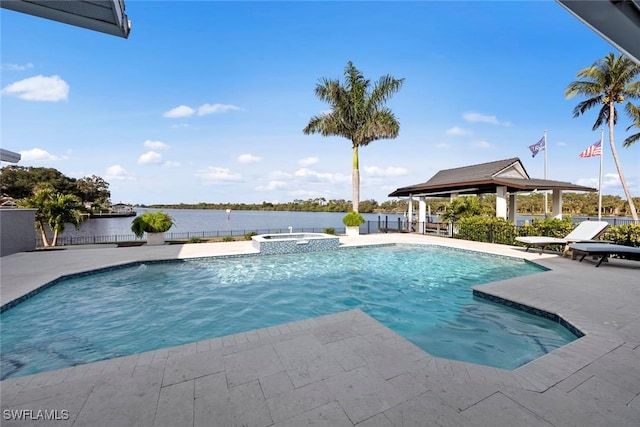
45, 241
55, 237
614, 152
355, 179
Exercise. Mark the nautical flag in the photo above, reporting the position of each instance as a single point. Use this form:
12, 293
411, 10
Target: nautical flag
593, 150
537, 147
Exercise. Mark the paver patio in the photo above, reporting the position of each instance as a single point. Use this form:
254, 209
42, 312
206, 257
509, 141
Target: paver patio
347, 369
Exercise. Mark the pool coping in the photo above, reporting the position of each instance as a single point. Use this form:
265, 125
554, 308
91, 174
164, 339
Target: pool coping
565, 374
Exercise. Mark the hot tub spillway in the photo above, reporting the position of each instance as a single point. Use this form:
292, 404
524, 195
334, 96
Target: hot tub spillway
270, 244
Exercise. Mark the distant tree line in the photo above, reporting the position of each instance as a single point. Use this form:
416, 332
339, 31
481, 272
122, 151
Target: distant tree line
93, 193
20, 182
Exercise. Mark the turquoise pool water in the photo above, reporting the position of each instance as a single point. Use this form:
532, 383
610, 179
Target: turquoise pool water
421, 292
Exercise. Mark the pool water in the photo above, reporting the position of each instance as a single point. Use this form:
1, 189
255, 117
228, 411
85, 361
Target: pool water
421, 292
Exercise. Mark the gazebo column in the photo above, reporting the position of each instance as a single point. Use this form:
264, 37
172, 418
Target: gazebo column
513, 207
556, 204
410, 212
422, 214
501, 202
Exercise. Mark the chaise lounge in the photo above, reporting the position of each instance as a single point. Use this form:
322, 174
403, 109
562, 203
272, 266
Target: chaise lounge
604, 250
586, 231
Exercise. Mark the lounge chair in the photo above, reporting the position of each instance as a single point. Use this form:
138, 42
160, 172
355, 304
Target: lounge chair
603, 250
586, 231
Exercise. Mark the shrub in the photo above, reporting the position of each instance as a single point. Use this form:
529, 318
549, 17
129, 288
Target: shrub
250, 234
626, 234
353, 219
228, 239
151, 222
195, 240
486, 229
550, 227
329, 230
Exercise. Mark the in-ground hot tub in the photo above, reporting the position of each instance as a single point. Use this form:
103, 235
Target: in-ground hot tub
269, 244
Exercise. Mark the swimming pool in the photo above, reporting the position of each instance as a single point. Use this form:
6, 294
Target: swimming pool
422, 292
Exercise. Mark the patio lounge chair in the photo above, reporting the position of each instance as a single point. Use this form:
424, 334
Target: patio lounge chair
603, 250
586, 231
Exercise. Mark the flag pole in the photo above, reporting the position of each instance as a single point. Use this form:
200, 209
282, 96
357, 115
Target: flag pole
600, 177
545, 171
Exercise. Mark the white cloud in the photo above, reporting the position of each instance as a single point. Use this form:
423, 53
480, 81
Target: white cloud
215, 174
279, 175
117, 173
171, 164
376, 171
272, 185
443, 145
178, 112
215, 108
248, 158
155, 145
203, 110
458, 131
482, 144
39, 88
308, 161
36, 154
150, 157
473, 117
313, 176
16, 67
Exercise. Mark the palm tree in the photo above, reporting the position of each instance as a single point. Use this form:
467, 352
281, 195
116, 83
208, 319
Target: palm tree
39, 202
357, 113
54, 210
634, 113
63, 209
608, 81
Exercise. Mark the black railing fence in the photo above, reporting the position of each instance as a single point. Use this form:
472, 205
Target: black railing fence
382, 225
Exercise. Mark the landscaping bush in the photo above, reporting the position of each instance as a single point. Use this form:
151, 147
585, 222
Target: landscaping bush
250, 234
329, 230
550, 227
486, 229
195, 240
626, 234
353, 219
228, 239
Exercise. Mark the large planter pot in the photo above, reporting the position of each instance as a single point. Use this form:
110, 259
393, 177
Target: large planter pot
353, 231
155, 239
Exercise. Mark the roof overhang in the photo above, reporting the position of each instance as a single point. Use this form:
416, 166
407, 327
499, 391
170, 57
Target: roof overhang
105, 16
617, 21
9, 156
488, 187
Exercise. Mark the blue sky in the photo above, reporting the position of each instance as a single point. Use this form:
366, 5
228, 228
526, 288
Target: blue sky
206, 101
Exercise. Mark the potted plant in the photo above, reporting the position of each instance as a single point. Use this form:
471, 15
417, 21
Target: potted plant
353, 220
155, 224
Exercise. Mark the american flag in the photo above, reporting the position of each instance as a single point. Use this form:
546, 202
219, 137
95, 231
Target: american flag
593, 150
537, 147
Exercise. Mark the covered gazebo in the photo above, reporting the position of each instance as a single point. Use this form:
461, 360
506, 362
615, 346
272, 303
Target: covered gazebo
504, 178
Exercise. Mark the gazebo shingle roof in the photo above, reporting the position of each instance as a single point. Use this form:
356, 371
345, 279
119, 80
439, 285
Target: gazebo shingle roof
484, 178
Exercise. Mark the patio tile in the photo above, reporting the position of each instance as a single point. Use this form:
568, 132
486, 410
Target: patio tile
175, 405
296, 402
248, 407
275, 384
251, 364
191, 366
363, 393
511, 413
425, 410
306, 360
211, 401
329, 415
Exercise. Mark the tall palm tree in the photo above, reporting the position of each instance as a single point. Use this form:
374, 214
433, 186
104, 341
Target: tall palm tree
608, 81
634, 113
358, 113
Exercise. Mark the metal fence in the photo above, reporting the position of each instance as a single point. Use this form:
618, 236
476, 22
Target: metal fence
382, 225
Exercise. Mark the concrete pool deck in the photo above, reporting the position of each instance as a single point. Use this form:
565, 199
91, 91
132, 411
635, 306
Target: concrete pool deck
347, 369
